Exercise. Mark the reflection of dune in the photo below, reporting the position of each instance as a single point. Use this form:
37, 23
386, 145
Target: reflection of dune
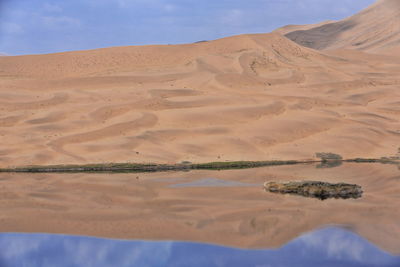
187, 206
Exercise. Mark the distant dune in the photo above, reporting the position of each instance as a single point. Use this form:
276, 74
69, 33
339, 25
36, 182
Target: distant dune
247, 97
376, 29
291, 28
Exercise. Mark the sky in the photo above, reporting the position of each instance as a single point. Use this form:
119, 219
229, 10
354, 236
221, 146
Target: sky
48, 26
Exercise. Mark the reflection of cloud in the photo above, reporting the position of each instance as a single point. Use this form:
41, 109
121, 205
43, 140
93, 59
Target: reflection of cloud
99, 252
58, 250
14, 246
340, 244
328, 247
339, 247
213, 182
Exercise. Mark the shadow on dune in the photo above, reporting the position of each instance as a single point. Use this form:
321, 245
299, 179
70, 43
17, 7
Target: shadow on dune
320, 37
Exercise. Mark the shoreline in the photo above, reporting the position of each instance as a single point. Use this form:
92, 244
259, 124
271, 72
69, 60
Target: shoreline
150, 167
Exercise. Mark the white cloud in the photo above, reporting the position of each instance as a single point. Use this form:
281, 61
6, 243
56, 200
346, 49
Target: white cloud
130, 3
11, 28
52, 8
233, 17
56, 22
150, 21
170, 8
123, 3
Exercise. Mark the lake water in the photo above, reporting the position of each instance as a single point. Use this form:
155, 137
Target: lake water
199, 218
325, 247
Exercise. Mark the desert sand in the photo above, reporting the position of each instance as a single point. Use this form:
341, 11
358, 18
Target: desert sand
188, 206
247, 97
375, 29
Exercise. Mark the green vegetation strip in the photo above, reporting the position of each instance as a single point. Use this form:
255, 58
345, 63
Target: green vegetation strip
136, 167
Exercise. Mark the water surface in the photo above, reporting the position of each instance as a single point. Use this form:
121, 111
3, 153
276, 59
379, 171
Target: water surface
325, 247
229, 210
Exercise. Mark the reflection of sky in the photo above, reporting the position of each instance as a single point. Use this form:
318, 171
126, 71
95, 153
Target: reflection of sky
213, 182
327, 247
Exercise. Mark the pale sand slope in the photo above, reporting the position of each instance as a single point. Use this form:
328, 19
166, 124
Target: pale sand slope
153, 208
249, 97
294, 27
375, 29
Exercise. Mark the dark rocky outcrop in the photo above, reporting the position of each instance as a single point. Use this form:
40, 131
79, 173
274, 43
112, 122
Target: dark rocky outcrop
320, 190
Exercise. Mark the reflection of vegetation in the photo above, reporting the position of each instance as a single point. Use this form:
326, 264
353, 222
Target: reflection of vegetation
329, 160
388, 160
325, 162
320, 190
132, 167
329, 164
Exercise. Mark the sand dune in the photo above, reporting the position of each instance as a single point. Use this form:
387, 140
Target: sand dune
375, 29
293, 27
247, 97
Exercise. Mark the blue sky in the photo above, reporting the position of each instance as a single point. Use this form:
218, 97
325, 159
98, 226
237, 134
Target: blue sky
35, 26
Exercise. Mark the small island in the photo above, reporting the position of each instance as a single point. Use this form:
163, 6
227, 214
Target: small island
316, 189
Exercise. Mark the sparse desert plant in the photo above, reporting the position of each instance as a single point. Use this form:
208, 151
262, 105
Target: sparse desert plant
328, 156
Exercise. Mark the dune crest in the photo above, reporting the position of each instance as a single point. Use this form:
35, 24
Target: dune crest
375, 29
247, 97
